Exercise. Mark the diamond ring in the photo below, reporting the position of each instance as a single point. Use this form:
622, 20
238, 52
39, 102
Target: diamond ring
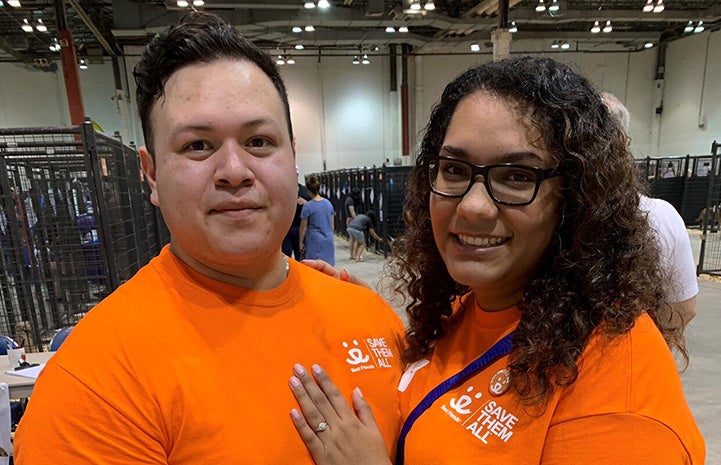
322, 426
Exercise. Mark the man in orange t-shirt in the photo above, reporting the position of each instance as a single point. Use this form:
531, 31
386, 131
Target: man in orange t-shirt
188, 361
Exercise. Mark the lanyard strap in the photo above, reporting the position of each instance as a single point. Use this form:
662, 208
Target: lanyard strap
499, 349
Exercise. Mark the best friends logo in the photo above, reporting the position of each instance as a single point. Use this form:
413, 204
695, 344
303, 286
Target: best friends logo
370, 353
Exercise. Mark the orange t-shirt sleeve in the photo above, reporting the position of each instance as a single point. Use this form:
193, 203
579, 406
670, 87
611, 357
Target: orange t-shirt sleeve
613, 439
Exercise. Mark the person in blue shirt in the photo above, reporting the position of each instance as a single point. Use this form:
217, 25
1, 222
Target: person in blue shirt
317, 225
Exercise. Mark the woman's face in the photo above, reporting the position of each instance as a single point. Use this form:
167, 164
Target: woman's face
495, 249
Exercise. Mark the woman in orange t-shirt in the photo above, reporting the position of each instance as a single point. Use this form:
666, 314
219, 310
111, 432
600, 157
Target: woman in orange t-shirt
539, 330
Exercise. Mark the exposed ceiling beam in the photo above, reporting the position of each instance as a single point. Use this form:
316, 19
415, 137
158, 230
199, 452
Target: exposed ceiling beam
111, 50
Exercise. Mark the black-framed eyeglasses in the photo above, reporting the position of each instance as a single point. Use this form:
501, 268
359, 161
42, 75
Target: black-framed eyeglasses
506, 183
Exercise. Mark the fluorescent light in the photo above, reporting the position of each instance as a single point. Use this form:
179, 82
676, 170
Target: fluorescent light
40, 26
554, 7
429, 6
689, 27
297, 29
299, 46
596, 28
403, 29
513, 29
699, 28
323, 4
198, 2
182, 3
390, 29
309, 28
26, 26
309, 5
648, 7
648, 45
608, 28
475, 47
659, 6
540, 8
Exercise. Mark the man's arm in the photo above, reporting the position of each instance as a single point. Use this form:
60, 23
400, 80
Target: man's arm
301, 233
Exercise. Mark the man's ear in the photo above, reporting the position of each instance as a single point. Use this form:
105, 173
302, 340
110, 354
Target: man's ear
148, 165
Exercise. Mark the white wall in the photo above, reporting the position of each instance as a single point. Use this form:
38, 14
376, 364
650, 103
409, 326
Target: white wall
347, 115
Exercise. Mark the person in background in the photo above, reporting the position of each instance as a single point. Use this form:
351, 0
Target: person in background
670, 233
291, 242
185, 362
317, 225
352, 202
670, 171
357, 232
536, 329
703, 171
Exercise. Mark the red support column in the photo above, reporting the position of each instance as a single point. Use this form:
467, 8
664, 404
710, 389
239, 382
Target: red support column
72, 81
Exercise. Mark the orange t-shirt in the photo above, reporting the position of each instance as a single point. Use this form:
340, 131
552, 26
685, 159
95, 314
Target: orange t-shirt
626, 407
176, 368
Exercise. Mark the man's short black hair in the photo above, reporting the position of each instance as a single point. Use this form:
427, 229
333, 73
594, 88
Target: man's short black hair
199, 38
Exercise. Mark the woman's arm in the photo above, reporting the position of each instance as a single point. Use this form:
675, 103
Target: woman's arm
374, 235
332, 431
301, 234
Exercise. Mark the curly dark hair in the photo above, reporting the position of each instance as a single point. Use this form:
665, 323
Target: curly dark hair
312, 183
601, 270
199, 38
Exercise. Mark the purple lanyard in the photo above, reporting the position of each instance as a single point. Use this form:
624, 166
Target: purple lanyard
498, 350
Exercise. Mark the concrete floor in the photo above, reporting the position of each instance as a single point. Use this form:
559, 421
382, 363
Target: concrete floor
702, 379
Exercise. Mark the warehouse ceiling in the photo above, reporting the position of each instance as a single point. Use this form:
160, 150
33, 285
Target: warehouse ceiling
103, 28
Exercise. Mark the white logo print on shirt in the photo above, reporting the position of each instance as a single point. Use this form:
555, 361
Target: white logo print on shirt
378, 354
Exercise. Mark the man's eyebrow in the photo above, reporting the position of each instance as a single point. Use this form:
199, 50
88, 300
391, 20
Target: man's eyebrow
209, 127
509, 157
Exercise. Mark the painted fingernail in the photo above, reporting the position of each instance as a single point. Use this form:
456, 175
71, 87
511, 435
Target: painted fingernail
344, 275
299, 370
358, 392
317, 369
295, 382
295, 414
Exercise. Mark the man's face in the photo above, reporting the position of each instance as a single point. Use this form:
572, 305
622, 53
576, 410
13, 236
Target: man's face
224, 168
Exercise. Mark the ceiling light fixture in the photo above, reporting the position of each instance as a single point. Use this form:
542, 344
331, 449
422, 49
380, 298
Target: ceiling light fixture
565, 45
26, 26
55, 45
596, 28
40, 26
390, 29
299, 46
429, 6
555, 44
648, 7
476, 47
689, 27
309, 5
659, 6
323, 4
607, 28
415, 5
290, 60
297, 29
648, 45
309, 28
365, 60
513, 29
198, 2
83, 64
554, 6
280, 61
540, 8
356, 61
403, 29
14, 3
182, 3
699, 28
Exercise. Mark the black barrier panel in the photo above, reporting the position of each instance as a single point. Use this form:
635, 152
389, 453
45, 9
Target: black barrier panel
76, 222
